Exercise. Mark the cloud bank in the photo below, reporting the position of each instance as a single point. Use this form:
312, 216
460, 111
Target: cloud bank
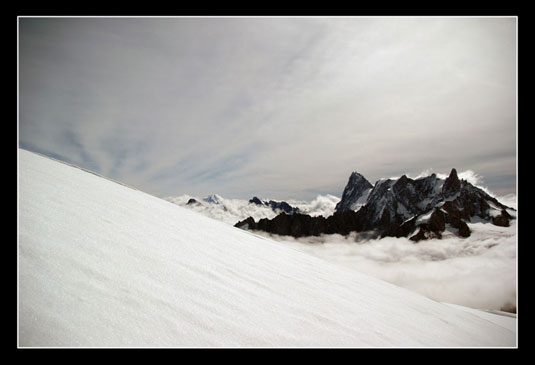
232, 211
478, 272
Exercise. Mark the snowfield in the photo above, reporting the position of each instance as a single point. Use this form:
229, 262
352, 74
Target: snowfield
101, 264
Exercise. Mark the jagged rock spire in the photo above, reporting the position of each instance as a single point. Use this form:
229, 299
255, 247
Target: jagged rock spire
452, 184
453, 175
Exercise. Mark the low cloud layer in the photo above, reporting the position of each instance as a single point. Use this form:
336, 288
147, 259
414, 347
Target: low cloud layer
478, 272
279, 107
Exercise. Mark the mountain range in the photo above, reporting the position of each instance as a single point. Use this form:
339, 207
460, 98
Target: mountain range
233, 210
419, 208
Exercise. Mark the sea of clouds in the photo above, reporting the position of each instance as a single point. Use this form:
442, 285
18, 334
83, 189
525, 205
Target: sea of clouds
479, 271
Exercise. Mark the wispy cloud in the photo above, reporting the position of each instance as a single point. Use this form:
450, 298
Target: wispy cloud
274, 106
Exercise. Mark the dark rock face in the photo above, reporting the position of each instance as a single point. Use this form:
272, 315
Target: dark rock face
191, 201
248, 223
452, 185
357, 187
463, 229
404, 229
417, 208
433, 228
502, 219
300, 225
454, 217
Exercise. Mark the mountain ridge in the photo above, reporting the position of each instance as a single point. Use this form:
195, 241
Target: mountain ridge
418, 208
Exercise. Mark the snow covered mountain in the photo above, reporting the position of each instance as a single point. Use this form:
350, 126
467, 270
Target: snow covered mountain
214, 199
101, 264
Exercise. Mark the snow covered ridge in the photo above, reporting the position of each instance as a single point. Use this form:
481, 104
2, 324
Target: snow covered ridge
100, 264
419, 208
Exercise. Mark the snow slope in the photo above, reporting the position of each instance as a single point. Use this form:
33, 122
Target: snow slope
101, 264
504, 319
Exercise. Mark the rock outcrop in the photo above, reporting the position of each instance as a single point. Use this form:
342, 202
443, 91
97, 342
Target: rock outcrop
275, 205
301, 225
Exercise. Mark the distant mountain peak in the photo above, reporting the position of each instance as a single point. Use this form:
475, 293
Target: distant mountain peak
275, 205
214, 199
256, 200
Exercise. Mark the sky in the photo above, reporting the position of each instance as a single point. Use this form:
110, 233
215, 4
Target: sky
275, 107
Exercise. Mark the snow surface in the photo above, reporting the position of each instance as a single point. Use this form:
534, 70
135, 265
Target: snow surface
504, 319
100, 264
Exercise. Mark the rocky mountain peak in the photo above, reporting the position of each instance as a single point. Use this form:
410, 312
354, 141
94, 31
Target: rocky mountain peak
355, 193
452, 184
